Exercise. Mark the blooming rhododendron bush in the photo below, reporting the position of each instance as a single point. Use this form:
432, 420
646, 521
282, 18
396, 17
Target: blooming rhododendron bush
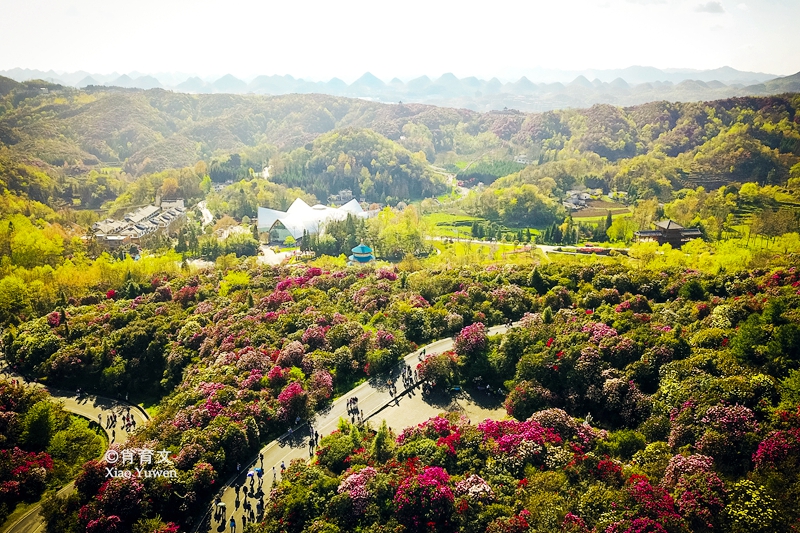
636, 400
635, 406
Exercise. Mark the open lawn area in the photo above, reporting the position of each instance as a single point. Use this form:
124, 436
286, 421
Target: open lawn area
449, 225
598, 209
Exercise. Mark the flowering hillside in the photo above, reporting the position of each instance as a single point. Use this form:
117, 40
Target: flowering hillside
635, 403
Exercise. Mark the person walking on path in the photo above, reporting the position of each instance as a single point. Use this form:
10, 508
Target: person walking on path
233, 524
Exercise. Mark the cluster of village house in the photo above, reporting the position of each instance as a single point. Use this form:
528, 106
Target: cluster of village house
147, 220
301, 219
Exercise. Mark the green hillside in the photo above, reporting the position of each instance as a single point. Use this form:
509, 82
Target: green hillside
359, 160
7, 85
649, 150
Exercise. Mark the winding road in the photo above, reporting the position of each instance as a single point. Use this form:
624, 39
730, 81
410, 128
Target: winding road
401, 410
96, 409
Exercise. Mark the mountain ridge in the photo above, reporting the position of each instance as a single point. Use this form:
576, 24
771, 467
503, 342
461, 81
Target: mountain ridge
539, 90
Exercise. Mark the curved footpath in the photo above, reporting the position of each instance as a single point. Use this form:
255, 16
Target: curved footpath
404, 409
90, 406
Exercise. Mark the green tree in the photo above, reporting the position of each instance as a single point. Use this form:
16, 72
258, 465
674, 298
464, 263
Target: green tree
38, 426
621, 229
748, 344
14, 300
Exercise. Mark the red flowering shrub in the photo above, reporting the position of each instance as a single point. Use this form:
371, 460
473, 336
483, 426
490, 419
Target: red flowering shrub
54, 319
440, 369
655, 506
574, 524
513, 524
425, 500
23, 475
186, 295
292, 400
729, 436
119, 503
203, 477
386, 274
91, 478
637, 525
640, 304
780, 450
321, 383
609, 471
277, 376
274, 301
314, 337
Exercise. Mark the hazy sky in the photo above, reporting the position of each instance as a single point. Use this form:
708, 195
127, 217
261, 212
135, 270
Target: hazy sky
319, 39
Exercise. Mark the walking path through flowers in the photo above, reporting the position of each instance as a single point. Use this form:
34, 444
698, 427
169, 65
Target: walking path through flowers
95, 408
403, 408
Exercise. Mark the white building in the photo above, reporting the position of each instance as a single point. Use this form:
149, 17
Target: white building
300, 218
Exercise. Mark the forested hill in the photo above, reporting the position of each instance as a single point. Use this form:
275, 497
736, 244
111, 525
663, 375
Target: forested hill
147, 131
74, 131
359, 160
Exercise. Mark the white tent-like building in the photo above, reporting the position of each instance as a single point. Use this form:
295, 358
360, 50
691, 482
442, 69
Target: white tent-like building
300, 217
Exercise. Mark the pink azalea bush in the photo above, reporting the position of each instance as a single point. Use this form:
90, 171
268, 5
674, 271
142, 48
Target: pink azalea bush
355, 486
471, 340
598, 331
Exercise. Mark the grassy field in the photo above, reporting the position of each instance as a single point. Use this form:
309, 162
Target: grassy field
449, 225
598, 209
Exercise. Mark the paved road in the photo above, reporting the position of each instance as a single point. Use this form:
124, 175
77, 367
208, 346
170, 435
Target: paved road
374, 400
88, 406
208, 218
